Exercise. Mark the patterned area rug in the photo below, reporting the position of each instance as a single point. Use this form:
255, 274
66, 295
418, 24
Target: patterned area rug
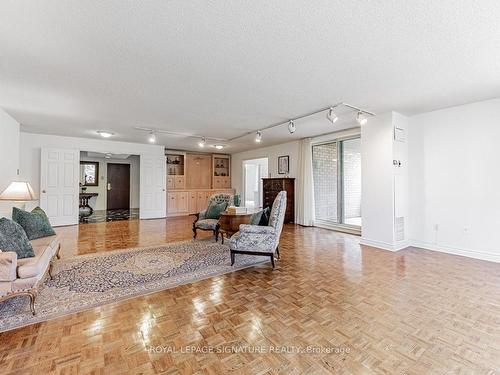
92, 280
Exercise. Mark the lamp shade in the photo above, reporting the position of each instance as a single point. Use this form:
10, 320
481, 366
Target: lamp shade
18, 191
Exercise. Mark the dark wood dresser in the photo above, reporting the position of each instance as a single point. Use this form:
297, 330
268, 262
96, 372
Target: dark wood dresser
272, 186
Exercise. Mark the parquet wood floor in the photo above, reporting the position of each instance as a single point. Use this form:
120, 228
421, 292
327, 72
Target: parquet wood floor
412, 312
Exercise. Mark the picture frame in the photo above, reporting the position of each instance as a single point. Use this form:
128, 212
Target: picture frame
284, 164
89, 173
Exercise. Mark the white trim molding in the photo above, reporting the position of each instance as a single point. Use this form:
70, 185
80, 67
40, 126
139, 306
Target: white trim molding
384, 245
457, 251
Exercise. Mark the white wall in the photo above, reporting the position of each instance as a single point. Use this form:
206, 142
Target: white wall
291, 149
31, 145
455, 179
99, 202
9, 155
272, 153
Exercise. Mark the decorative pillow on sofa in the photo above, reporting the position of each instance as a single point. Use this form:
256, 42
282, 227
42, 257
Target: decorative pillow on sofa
264, 219
13, 238
256, 217
215, 209
36, 224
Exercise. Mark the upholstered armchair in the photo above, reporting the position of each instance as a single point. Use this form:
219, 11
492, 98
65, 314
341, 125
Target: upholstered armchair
204, 223
261, 240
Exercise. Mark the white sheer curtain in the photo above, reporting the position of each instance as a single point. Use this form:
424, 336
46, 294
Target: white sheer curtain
305, 185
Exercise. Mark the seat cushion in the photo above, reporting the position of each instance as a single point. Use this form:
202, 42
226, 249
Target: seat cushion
37, 265
13, 238
207, 224
36, 224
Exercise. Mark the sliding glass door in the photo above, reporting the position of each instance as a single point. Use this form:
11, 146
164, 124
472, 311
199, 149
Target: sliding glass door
337, 182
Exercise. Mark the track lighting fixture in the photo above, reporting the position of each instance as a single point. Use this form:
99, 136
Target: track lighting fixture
291, 127
152, 137
331, 116
361, 118
258, 137
202, 142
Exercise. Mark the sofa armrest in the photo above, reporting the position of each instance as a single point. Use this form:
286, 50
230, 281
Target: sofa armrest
8, 266
256, 229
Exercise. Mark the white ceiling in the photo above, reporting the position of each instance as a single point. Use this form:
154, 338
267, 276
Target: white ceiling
225, 67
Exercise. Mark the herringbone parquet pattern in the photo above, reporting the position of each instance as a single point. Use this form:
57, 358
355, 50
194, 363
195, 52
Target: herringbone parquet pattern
412, 312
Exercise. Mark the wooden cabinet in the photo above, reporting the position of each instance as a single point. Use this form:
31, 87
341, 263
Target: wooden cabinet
170, 182
272, 186
221, 166
182, 202
172, 203
192, 198
179, 182
198, 171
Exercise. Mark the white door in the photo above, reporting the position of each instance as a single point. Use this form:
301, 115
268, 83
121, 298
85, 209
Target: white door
59, 178
153, 196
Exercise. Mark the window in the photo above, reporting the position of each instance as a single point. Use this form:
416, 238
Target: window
337, 182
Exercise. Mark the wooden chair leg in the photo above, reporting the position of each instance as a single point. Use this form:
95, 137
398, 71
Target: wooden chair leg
50, 270
58, 256
32, 296
232, 258
194, 231
272, 260
278, 252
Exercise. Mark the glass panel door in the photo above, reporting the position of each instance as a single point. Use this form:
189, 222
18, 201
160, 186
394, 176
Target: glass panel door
351, 174
337, 182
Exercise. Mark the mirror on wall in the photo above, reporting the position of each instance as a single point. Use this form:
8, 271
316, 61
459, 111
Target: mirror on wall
89, 173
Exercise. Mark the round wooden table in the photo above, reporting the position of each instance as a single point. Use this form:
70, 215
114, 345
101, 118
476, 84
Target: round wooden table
229, 224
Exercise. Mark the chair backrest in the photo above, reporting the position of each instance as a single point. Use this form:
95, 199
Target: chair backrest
277, 215
219, 198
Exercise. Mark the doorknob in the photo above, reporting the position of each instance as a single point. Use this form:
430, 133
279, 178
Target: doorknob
109, 186
43, 191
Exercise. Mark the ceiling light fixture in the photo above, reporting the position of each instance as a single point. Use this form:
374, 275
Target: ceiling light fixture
202, 142
219, 147
105, 134
361, 118
291, 127
152, 137
331, 116
258, 137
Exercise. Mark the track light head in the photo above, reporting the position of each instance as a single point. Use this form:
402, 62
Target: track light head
361, 118
258, 137
202, 142
331, 116
219, 147
291, 127
152, 137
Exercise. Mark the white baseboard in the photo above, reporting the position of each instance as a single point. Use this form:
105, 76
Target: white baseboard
433, 247
384, 245
457, 251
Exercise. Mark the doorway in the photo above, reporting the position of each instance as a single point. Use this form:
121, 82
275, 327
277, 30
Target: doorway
253, 172
118, 187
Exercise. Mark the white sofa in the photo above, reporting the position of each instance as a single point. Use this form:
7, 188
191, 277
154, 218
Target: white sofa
23, 276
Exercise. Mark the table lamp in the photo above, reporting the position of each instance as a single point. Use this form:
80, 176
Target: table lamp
18, 191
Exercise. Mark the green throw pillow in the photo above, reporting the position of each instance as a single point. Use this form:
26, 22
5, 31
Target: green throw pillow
36, 224
256, 217
215, 209
13, 238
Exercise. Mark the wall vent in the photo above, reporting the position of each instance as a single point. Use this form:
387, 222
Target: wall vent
399, 228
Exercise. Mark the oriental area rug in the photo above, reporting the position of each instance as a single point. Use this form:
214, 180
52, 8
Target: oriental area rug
88, 281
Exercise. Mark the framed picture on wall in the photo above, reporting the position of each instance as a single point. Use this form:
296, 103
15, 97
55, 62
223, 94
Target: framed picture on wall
284, 164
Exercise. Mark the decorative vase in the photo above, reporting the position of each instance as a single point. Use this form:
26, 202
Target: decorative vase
237, 200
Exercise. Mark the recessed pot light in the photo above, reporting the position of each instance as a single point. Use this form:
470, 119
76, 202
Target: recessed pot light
219, 147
